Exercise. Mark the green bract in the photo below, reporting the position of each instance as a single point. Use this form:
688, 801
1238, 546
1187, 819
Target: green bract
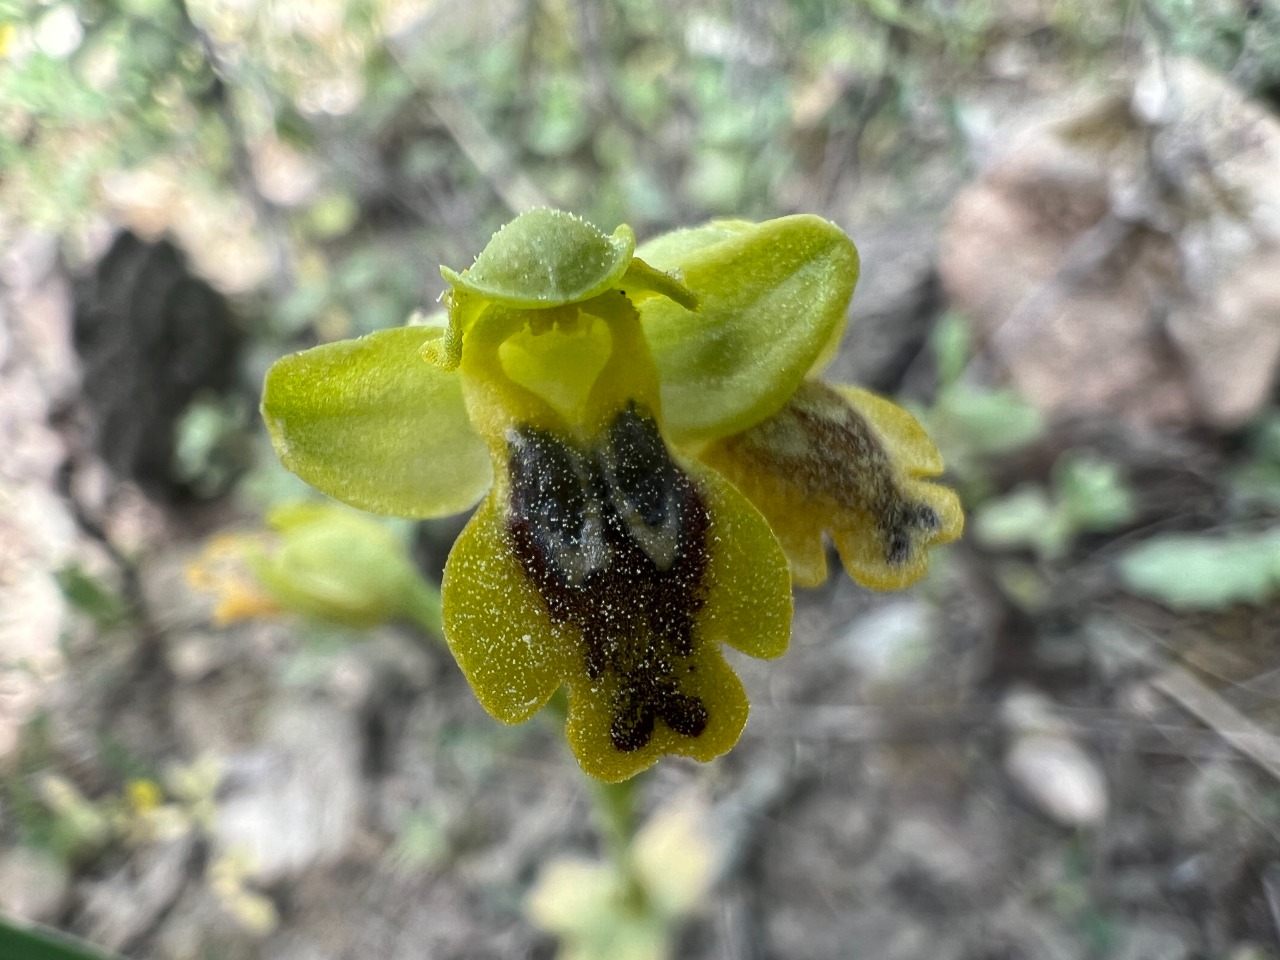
542, 260
659, 469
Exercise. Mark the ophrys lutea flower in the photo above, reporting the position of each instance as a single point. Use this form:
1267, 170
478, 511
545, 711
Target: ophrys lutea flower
601, 399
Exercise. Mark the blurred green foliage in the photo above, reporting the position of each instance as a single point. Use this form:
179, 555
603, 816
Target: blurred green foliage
1238, 37
92, 597
973, 422
1088, 496
1255, 482
34, 824
22, 942
325, 151
1238, 563
1201, 572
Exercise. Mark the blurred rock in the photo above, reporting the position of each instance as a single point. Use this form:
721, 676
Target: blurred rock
1119, 256
130, 902
1116, 647
295, 801
878, 931
1221, 154
219, 714
1060, 778
1215, 806
294, 946
38, 533
197, 927
1017, 929
33, 885
891, 643
930, 862
151, 337
1148, 941
1048, 766
195, 656
1025, 710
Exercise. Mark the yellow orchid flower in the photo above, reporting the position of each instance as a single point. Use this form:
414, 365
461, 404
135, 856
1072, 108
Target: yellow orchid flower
605, 401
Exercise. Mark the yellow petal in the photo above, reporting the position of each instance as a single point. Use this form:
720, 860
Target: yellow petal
914, 450
749, 601
497, 626
618, 572
706, 676
848, 464
222, 570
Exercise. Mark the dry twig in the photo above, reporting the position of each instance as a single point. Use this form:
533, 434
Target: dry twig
1179, 685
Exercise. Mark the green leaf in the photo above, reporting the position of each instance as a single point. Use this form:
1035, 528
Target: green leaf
950, 341
1256, 482
371, 423
988, 421
1024, 518
37, 943
91, 596
772, 297
1094, 494
1264, 437
1189, 572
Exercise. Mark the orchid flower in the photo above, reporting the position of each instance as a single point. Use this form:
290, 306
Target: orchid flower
656, 465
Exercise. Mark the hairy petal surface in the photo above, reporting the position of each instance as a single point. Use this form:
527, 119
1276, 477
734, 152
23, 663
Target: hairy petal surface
747, 605
852, 465
515, 652
495, 623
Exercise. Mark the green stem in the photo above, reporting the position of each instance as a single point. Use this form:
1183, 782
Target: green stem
423, 609
615, 812
614, 807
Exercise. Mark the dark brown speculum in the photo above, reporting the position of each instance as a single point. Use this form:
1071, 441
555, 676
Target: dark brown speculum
614, 539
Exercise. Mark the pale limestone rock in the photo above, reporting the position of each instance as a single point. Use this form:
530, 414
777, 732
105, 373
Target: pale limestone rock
1119, 256
296, 801
33, 885
1050, 768
1059, 778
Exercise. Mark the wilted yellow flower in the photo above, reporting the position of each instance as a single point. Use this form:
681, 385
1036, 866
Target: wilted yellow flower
322, 561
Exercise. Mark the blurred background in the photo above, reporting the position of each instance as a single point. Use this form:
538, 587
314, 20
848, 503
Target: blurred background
1065, 743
